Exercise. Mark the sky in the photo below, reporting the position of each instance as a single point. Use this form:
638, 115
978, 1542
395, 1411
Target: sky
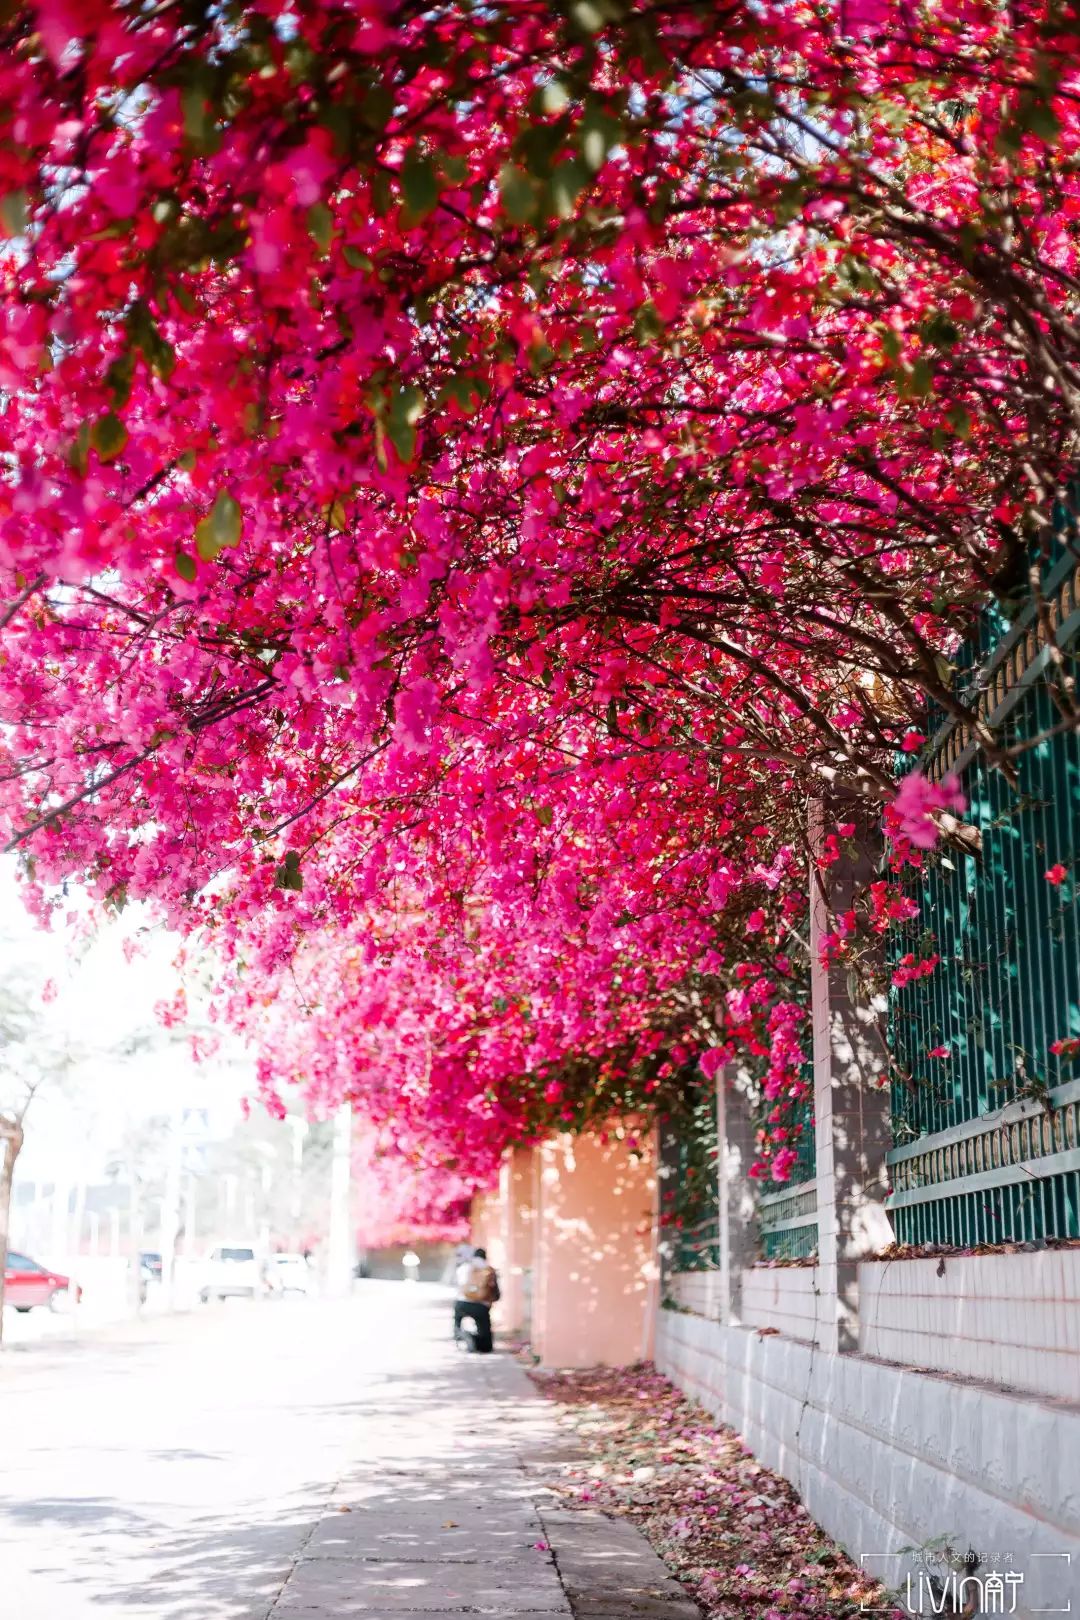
104, 1004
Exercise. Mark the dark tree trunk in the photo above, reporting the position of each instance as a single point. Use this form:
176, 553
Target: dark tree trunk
11, 1141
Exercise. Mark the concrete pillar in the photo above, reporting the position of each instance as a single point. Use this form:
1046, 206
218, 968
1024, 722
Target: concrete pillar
516, 1199
596, 1285
851, 1105
738, 1218
486, 1226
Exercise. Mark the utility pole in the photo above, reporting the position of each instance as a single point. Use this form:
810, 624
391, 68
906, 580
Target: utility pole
298, 1125
339, 1257
191, 1193
170, 1215
60, 1236
134, 1238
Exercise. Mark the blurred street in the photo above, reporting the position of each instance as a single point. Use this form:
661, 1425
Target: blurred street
175, 1468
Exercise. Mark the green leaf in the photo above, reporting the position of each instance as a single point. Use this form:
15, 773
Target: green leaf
539, 144
419, 184
79, 449
1040, 118
589, 15
120, 376
545, 815
922, 378
406, 408
940, 330
288, 874
890, 342
647, 323
519, 194
598, 132
944, 669
454, 170
959, 420
200, 127
108, 436
186, 566
377, 107
381, 195
220, 527
552, 97
464, 391
321, 225
158, 354
14, 213
568, 181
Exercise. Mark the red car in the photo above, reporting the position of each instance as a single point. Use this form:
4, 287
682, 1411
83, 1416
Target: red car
27, 1284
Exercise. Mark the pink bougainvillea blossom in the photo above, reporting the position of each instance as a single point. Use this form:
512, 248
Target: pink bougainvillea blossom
454, 522
917, 804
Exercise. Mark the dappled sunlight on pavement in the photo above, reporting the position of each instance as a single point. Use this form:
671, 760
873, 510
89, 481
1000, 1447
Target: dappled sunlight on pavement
274, 1461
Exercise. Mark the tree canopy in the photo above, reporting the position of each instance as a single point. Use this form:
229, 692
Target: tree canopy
471, 475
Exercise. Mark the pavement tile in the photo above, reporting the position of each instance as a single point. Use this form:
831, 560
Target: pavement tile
341, 1610
624, 1607
368, 1536
582, 1519
402, 1588
474, 1504
599, 1587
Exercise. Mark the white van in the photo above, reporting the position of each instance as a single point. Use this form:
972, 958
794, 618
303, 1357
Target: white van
232, 1271
291, 1273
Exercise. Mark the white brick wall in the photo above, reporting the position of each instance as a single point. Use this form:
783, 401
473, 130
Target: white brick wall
782, 1297
1007, 1319
886, 1457
697, 1291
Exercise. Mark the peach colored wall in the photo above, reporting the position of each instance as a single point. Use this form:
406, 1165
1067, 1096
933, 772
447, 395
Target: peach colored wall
486, 1226
516, 1193
595, 1274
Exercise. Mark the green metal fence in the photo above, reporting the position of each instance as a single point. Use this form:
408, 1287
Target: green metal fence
787, 1214
689, 1190
985, 1112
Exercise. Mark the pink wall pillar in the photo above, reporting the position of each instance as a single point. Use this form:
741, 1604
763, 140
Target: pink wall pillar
595, 1280
516, 1193
486, 1226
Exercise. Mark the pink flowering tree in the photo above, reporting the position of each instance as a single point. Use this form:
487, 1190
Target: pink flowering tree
468, 477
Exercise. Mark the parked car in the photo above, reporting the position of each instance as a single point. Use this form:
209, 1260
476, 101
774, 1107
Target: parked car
150, 1263
291, 1272
232, 1271
28, 1283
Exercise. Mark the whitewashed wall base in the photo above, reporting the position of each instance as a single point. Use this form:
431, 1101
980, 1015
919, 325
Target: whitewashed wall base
886, 1457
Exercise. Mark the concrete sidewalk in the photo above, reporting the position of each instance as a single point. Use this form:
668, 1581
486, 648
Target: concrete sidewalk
447, 1511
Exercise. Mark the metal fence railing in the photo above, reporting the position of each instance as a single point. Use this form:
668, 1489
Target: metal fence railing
984, 1103
1012, 1175
787, 1212
689, 1188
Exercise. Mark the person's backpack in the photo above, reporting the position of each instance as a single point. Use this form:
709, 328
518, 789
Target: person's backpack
482, 1286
